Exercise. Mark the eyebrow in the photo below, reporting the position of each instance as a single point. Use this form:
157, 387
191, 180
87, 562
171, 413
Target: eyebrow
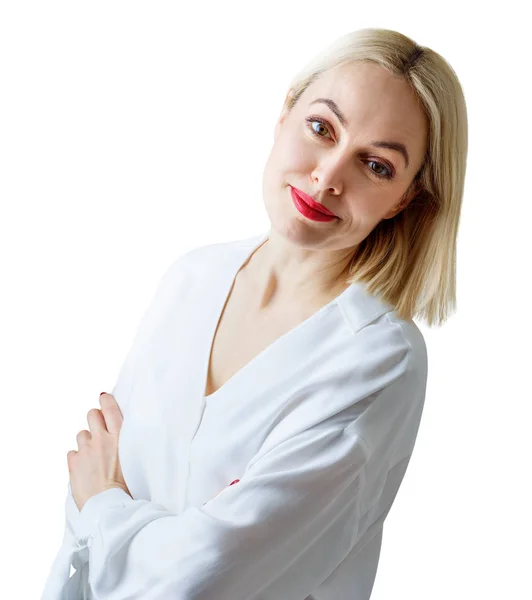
397, 146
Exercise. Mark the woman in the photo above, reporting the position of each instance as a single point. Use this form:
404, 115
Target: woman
287, 363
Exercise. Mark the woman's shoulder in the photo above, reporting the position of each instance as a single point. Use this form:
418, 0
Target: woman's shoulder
381, 342
371, 317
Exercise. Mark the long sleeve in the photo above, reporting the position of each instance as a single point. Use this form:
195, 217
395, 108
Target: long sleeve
299, 508
301, 505
73, 552
278, 533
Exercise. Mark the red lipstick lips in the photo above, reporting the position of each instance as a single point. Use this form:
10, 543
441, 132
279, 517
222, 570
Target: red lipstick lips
311, 209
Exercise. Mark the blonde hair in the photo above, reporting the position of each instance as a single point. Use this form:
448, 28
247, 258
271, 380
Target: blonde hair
410, 260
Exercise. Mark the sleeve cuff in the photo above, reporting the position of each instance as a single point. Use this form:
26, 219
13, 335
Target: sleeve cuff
91, 512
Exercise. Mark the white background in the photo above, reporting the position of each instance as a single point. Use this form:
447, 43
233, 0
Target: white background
132, 132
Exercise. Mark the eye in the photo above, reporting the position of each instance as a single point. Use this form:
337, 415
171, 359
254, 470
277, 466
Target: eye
387, 173
311, 120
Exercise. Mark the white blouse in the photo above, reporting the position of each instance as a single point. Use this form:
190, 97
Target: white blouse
318, 428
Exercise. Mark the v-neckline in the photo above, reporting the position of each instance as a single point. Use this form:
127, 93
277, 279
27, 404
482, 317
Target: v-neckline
229, 283
218, 315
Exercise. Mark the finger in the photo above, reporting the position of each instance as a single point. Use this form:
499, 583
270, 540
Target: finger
109, 401
111, 412
83, 438
70, 456
96, 421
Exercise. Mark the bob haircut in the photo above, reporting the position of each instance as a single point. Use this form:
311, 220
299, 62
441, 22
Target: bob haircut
409, 260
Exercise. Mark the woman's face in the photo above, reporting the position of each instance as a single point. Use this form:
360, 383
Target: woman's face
337, 164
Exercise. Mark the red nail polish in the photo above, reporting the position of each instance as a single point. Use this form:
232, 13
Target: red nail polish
102, 393
235, 481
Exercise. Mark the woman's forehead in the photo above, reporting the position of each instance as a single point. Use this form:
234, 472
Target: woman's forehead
360, 81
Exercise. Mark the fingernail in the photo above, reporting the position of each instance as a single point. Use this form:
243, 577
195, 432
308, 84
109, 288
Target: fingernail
102, 393
235, 481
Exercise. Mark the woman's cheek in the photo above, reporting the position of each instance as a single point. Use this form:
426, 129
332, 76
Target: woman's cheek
298, 155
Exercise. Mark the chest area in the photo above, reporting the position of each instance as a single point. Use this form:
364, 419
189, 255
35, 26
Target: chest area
242, 335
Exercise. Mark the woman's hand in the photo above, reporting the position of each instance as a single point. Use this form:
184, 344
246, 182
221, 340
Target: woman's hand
95, 467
